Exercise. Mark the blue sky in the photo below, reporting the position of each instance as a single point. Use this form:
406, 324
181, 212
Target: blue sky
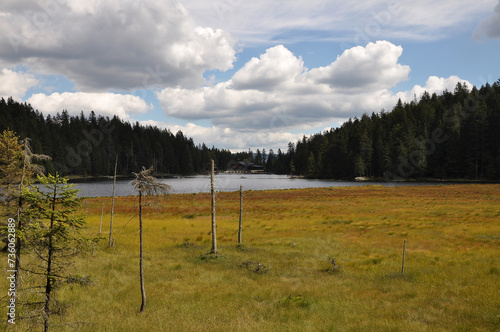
237, 74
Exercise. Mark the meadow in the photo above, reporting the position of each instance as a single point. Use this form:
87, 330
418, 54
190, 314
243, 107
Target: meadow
283, 278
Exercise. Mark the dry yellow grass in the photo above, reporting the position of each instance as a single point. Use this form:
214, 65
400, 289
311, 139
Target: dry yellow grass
451, 280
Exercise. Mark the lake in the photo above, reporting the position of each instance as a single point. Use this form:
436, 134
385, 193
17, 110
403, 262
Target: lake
225, 182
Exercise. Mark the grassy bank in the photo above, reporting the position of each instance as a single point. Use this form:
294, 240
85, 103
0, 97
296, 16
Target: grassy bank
283, 278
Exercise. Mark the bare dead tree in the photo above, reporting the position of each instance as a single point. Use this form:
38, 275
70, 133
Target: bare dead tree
403, 264
241, 213
146, 184
214, 236
112, 204
102, 214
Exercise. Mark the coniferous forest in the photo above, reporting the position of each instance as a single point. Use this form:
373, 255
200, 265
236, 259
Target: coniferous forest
455, 135
88, 146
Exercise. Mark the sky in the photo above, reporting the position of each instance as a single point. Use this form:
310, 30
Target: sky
240, 74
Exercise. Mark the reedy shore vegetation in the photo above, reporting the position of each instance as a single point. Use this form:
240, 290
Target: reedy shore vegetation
282, 277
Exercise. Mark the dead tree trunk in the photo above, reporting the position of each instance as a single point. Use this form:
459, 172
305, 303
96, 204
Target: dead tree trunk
19, 228
49, 278
145, 184
403, 265
241, 212
112, 205
102, 214
212, 187
141, 257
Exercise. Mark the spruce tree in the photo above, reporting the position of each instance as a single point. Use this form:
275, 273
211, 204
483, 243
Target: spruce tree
11, 169
53, 235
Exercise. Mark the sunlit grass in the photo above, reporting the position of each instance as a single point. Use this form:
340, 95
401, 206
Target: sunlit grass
281, 278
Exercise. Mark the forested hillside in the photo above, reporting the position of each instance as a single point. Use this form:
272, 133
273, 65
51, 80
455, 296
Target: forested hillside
89, 145
455, 135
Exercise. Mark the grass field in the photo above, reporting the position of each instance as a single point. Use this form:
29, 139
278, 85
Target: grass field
282, 278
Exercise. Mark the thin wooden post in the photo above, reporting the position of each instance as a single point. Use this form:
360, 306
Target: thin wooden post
112, 204
212, 189
102, 213
241, 212
403, 265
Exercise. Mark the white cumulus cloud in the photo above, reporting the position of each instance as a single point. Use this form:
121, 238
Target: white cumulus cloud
106, 104
434, 84
277, 91
15, 84
235, 140
276, 66
372, 67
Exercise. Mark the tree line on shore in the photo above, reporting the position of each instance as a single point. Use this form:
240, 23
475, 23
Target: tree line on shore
449, 136
88, 146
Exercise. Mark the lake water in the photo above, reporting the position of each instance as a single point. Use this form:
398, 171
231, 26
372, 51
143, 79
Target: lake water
225, 182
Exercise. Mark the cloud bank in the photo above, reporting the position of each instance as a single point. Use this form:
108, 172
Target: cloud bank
106, 104
262, 21
112, 44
